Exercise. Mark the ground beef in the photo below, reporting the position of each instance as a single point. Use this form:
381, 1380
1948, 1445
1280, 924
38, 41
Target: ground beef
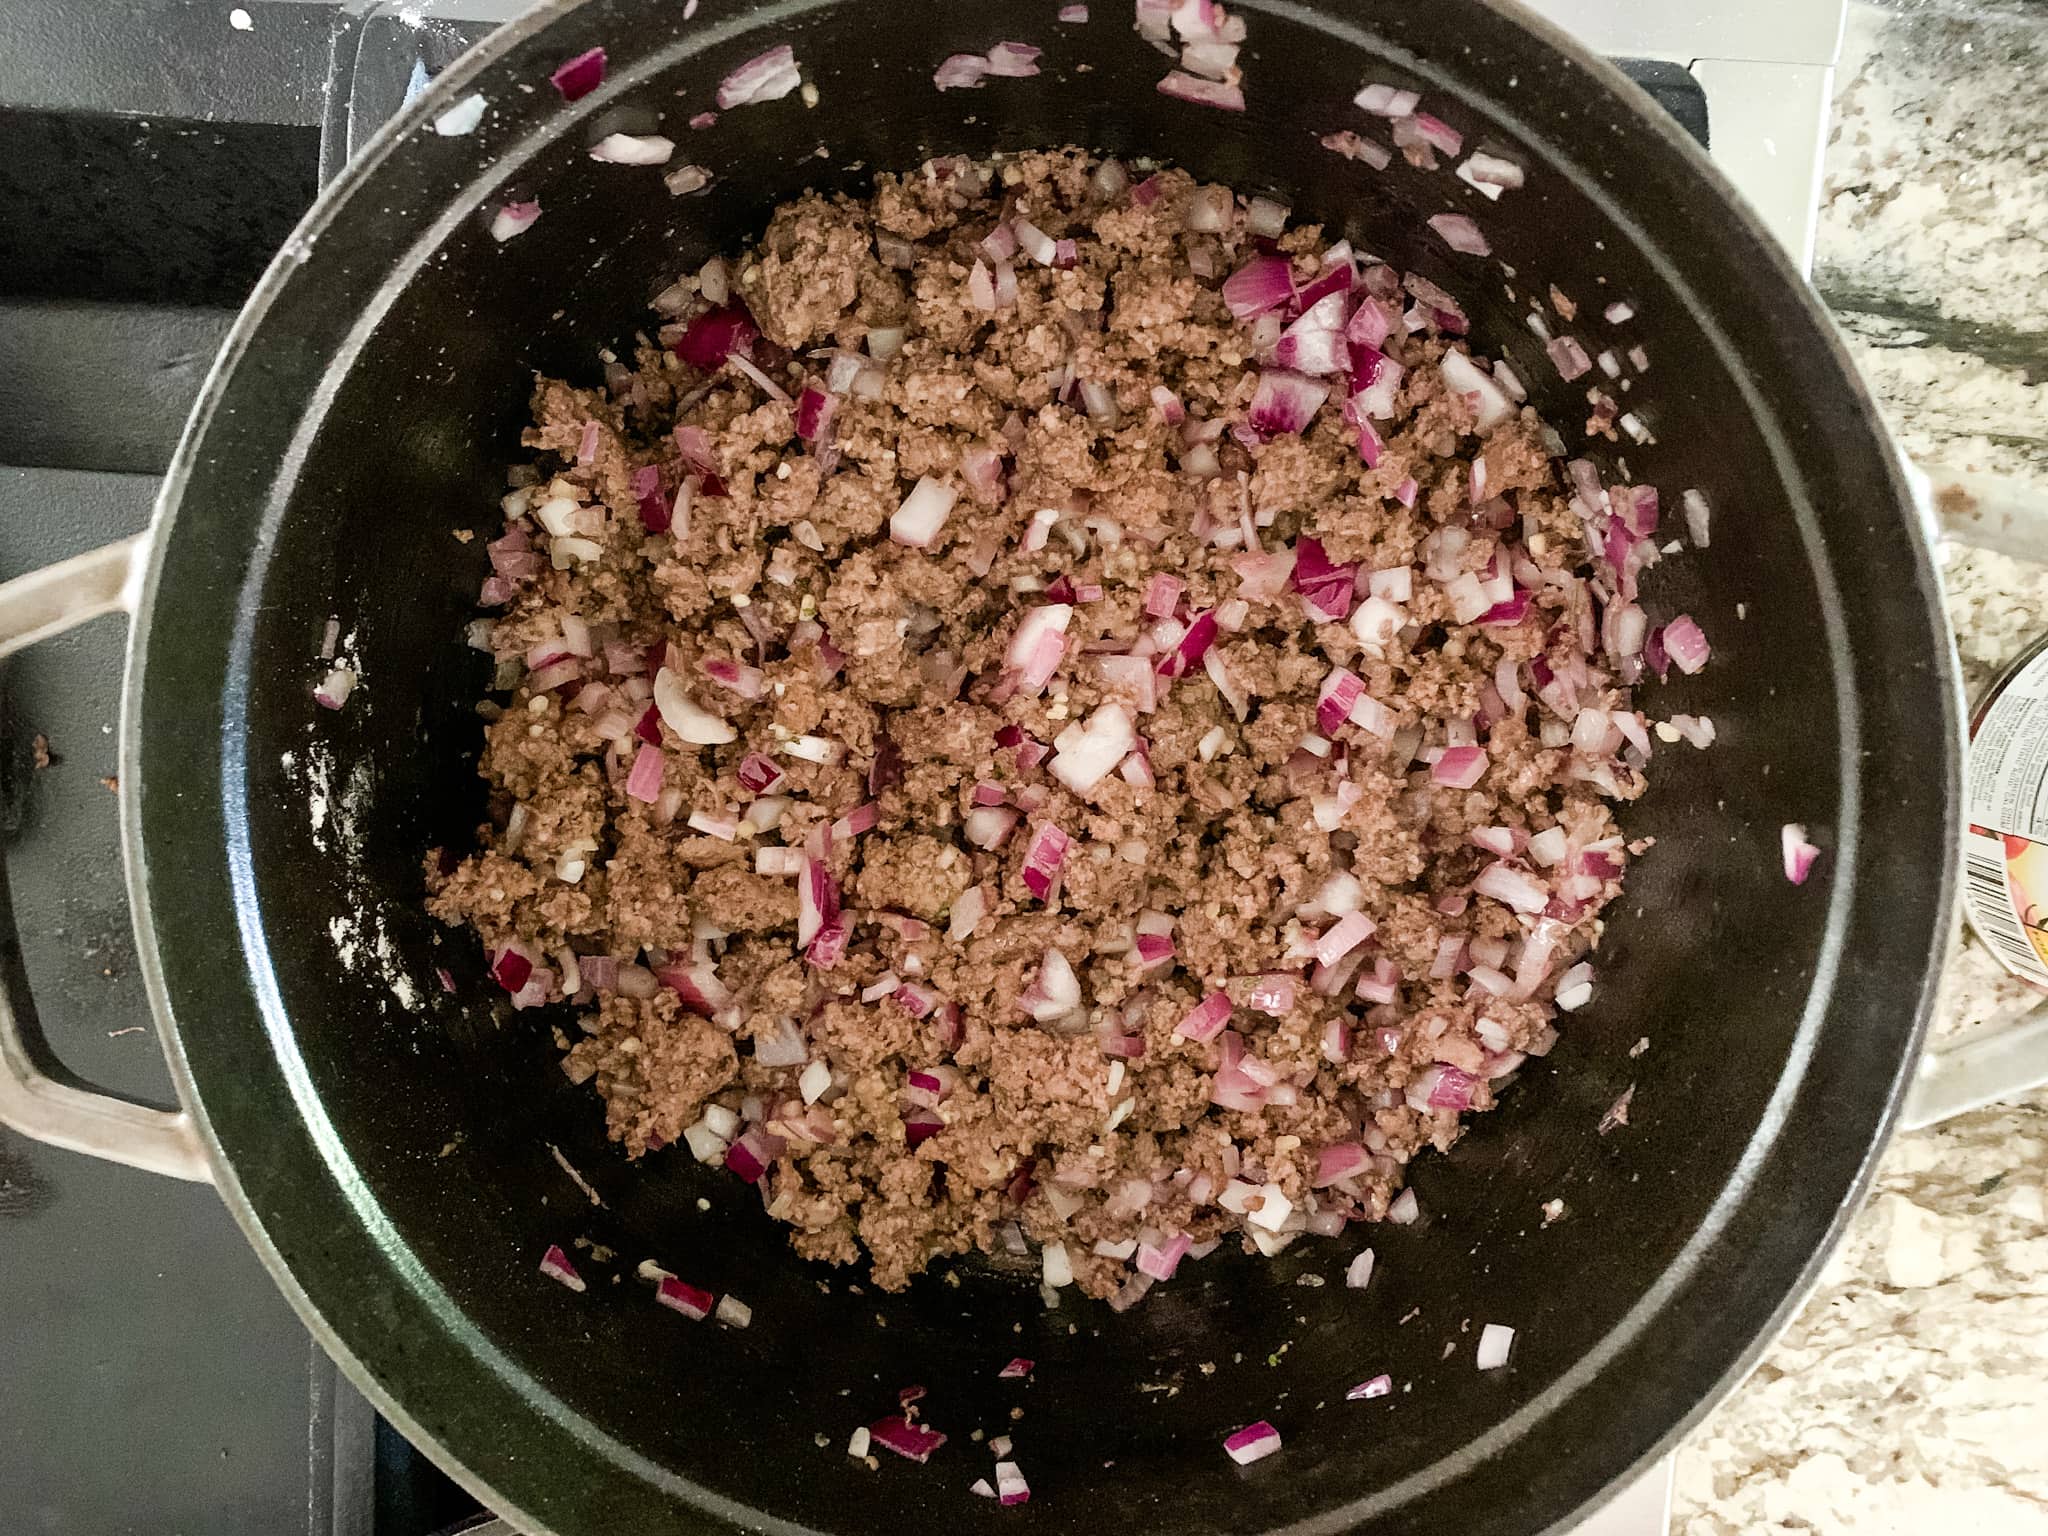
922, 944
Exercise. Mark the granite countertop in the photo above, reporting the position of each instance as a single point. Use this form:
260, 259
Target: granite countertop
1911, 1394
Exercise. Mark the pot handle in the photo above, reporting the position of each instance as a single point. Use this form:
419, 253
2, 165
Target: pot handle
35, 607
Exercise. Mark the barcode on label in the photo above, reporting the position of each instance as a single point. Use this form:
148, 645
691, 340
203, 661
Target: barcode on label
1990, 908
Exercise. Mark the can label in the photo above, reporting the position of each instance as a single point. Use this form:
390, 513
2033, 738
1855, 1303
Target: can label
2005, 850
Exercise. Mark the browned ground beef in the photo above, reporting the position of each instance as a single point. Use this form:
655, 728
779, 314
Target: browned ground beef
1235, 824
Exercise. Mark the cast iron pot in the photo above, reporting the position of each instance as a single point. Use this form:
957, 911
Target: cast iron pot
392, 1164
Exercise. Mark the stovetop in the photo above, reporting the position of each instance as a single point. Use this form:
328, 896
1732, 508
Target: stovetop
152, 155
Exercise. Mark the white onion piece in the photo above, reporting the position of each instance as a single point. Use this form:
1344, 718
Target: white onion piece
923, 513
768, 77
1492, 405
681, 714
514, 219
1085, 754
815, 1082
1038, 645
1057, 990
461, 118
1495, 1341
632, 149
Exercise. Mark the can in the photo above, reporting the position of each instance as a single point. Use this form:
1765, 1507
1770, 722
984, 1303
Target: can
2005, 845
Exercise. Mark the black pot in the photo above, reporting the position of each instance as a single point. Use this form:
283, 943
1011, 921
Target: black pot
394, 1167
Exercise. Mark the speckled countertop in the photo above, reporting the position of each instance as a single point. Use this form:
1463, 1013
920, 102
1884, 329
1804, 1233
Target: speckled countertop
1911, 1394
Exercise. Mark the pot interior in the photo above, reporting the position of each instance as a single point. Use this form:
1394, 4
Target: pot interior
394, 1142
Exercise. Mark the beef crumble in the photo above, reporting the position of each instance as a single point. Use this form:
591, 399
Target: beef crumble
986, 775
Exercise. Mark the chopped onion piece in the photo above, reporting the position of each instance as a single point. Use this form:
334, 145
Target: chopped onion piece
681, 714
633, 149
1285, 401
1261, 284
1042, 859
578, 77
556, 1266
1686, 645
1253, 1443
461, 118
1460, 234
1495, 1340
1010, 1485
679, 1296
1460, 767
514, 218
914, 1442
766, 77
1378, 1386
1490, 174
924, 511
1085, 754
1203, 93
1799, 853
1206, 1020
1387, 101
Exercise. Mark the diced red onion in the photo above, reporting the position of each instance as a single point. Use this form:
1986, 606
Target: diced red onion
1162, 595
680, 1296
1340, 1160
644, 782
1203, 93
1460, 234
817, 901
766, 77
1514, 887
1010, 1485
1042, 859
1206, 1019
1378, 1386
914, 1442
1491, 174
1013, 61
1263, 283
1799, 852
968, 910
1569, 358
514, 218
706, 342
1160, 1261
1039, 644
1686, 644
1285, 402
1343, 936
1354, 146
861, 818
1387, 100
1253, 1443
633, 149
1460, 767
1358, 1274
556, 1266
1086, 753
578, 77
1191, 647
961, 71
1432, 131
1405, 1210
923, 513
1272, 995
